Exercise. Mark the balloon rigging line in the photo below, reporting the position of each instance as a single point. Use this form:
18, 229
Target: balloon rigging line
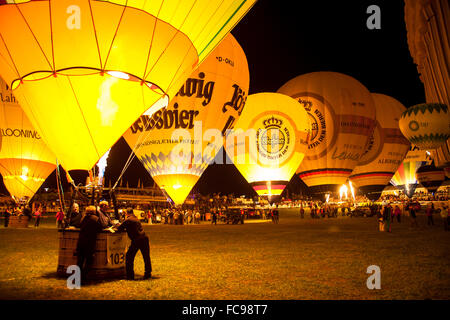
133, 154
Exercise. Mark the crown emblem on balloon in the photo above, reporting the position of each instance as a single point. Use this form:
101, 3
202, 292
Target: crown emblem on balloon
306, 104
272, 122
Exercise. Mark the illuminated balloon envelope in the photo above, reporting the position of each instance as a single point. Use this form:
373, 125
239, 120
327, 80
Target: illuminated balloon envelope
386, 149
25, 160
405, 176
430, 177
208, 104
269, 142
426, 125
84, 70
342, 115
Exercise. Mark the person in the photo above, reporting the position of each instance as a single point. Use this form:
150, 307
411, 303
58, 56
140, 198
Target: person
74, 216
7, 214
302, 212
380, 220
139, 241
275, 215
37, 215
27, 212
89, 227
429, 213
105, 219
387, 217
214, 217
412, 214
397, 213
59, 219
197, 218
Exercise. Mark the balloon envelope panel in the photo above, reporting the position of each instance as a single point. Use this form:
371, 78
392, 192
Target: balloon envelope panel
25, 159
176, 145
342, 115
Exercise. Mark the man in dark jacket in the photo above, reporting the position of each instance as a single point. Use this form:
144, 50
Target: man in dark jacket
139, 241
105, 219
89, 227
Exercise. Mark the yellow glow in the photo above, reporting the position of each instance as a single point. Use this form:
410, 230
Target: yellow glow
332, 98
25, 160
63, 89
387, 143
119, 74
216, 83
343, 191
24, 173
265, 158
107, 107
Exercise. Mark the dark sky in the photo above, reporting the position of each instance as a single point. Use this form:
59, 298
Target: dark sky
283, 39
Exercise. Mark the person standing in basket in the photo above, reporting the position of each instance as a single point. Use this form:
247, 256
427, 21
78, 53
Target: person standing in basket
89, 227
139, 241
105, 219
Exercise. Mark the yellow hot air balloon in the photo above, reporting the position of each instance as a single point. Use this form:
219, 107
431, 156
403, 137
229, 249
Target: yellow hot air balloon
269, 142
25, 160
405, 176
426, 125
213, 98
85, 70
342, 115
386, 150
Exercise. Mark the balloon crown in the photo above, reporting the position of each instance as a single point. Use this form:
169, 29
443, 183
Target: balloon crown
424, 107
272, 122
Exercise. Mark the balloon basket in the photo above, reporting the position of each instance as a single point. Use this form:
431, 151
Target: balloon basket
109, 257
18, 222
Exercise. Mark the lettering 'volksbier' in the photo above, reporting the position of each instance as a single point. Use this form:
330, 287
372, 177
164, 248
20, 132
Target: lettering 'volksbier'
342, 115
106, 63
175, 145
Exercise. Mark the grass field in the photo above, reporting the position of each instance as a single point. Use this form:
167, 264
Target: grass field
295, 259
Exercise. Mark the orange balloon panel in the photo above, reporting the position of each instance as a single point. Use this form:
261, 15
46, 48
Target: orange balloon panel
387, 147
269, 141
213, 98
25, 160
60, 57
342, 114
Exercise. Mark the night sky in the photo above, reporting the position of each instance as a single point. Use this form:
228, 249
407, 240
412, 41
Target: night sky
284, 39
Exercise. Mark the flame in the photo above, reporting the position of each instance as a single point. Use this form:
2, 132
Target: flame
102, 163
105, 104
343, 190
24, 175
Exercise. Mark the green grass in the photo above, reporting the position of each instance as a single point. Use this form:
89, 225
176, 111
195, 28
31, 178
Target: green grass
296, 259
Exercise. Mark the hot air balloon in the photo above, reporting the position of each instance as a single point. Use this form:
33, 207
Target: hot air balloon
342, 115
25, 160
85, 70
211, 98
430, 177
269, 142
386, 150
405, 176
426, 125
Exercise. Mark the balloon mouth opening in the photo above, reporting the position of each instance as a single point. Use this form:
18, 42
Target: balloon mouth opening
85, 71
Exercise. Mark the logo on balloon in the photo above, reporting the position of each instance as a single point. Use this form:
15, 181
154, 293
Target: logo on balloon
414, 125
318, 123
274, 136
